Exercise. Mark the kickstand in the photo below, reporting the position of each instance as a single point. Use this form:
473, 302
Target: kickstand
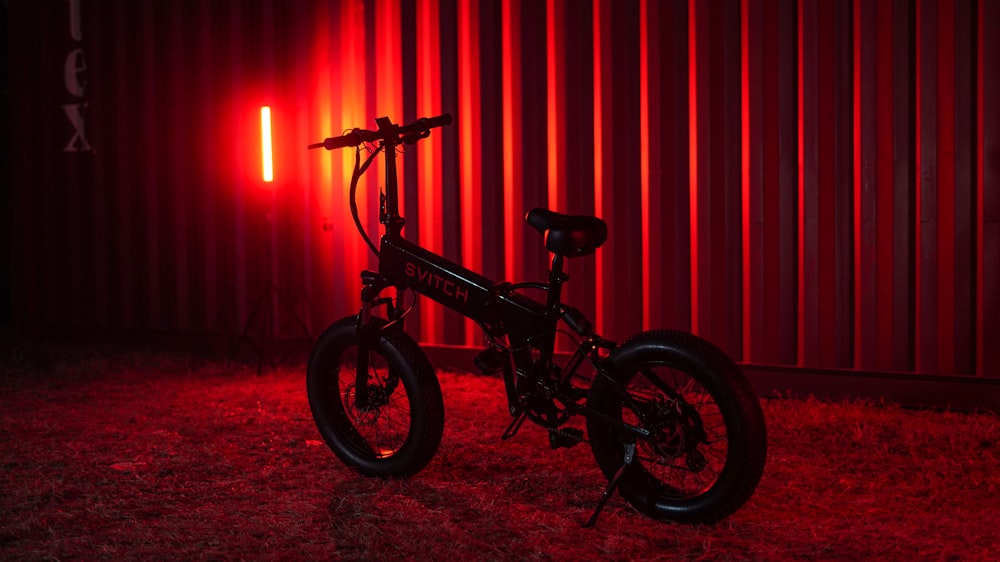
629, 456
514, 425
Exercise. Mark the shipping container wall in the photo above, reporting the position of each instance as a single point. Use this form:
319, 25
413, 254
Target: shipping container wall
805, 183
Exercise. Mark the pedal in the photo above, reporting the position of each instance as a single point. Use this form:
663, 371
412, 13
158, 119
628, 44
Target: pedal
565, 437
489, 361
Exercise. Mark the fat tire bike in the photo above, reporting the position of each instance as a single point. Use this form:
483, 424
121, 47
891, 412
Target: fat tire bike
672, 422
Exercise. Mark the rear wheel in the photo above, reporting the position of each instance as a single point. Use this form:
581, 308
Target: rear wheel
706, 446
397, 429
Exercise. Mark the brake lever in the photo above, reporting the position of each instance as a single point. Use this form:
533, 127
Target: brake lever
413, 137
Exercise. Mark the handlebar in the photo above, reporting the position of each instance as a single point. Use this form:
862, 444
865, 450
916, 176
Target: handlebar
387, 132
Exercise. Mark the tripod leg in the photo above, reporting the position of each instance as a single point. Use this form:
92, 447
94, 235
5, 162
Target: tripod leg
244, 337
288, 305
612, 484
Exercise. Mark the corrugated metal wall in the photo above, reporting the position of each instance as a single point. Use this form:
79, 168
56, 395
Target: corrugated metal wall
810, 183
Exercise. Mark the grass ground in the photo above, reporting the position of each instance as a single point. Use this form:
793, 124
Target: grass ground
170, 457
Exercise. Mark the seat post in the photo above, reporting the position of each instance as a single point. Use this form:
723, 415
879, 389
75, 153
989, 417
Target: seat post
556, 279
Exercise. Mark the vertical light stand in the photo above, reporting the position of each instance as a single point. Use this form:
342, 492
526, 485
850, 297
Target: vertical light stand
271, 302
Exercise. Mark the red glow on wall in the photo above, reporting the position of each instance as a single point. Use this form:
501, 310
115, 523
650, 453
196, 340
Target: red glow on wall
805, 183
693, 161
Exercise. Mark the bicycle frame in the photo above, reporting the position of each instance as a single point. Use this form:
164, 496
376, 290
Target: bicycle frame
635, 404
526, 323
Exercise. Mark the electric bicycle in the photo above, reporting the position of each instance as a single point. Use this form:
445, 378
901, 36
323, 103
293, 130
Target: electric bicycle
671, 420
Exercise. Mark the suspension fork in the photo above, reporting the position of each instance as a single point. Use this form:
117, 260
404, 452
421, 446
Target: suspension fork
366, 340
373, 285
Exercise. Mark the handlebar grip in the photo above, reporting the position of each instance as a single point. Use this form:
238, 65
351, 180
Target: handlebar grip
343, 141
421, 128
354, 138
439, 121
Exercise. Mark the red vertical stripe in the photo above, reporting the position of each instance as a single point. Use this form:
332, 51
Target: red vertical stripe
920, 280
389, 80
555, 124
945, 186
863, 312
981, 291
209, 262
824, 195
429, 152
926, 202
902, 286
885, 202
319, 168
470, 124
963, 217
126, 197
644, 157
750, 49
179, 193
716, 189
620, 195
989, 190
513, 224
353, 113
694, 13
105, 245
666, 208
770, 128
874, 185
150, 164
601, 77
806, 285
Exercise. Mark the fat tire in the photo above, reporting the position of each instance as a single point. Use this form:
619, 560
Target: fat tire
737, 403
405, 360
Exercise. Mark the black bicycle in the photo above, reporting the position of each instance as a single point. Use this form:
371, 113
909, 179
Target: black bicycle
672, 422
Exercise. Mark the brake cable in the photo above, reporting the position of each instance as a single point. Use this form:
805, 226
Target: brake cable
359, 170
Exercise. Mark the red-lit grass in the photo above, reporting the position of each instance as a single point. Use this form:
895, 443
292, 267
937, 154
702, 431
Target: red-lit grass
168, 457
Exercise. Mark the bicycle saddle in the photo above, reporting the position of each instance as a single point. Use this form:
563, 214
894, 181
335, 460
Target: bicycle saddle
568, 235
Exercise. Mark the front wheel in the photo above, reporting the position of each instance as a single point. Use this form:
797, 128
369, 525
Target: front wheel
396, 428
700, 447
